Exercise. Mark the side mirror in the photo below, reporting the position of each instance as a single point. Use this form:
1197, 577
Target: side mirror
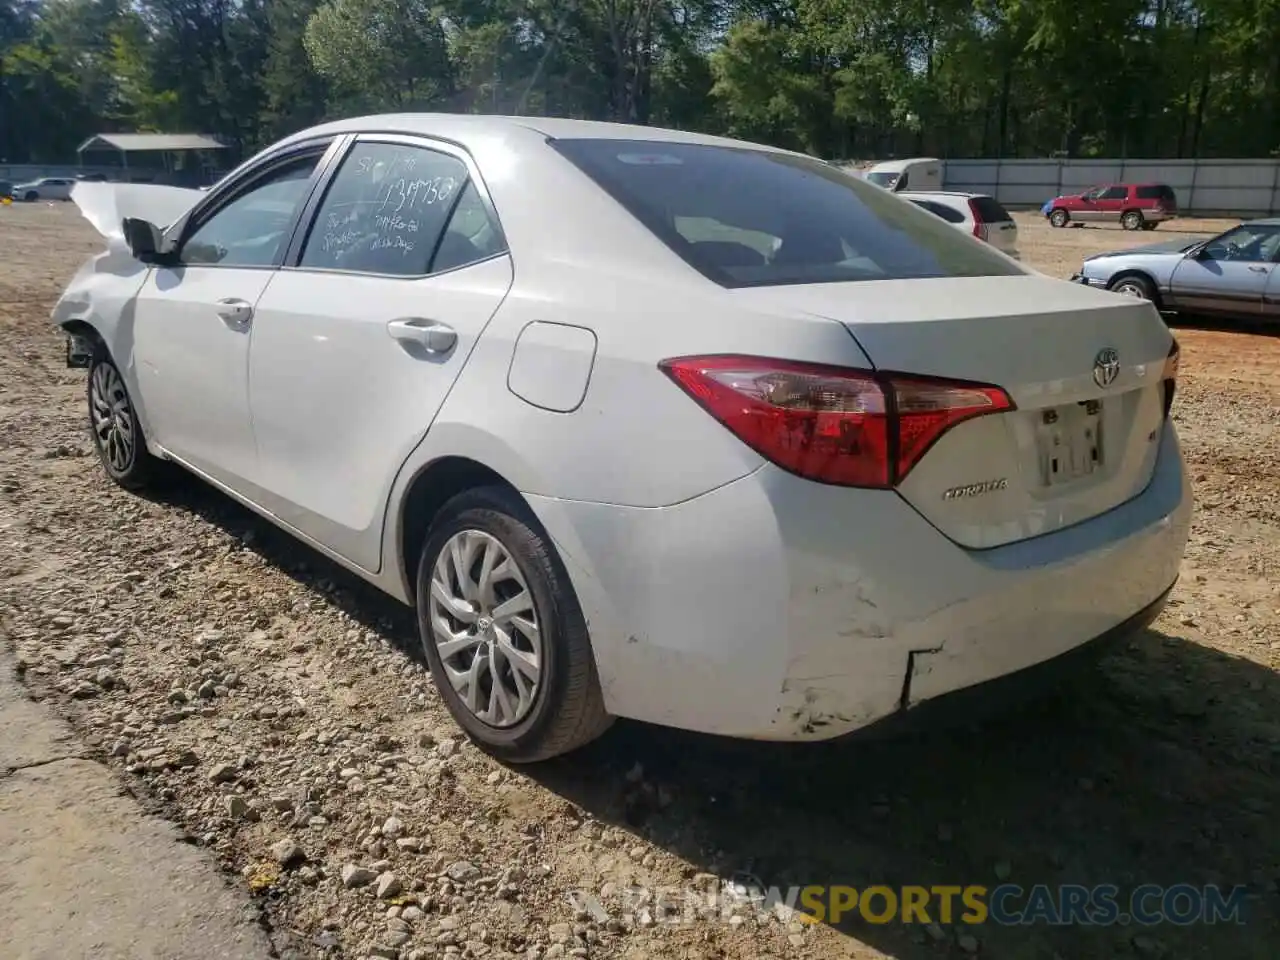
143, 238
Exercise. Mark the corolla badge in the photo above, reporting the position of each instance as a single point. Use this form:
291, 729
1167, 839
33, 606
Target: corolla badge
1106, 367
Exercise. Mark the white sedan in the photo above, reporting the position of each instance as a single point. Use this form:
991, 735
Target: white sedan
643, 423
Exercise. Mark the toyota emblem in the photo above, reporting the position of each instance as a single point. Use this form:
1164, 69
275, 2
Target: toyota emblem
1106, 367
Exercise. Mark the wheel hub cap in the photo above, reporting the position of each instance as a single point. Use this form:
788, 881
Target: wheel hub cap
111, 417
485, 628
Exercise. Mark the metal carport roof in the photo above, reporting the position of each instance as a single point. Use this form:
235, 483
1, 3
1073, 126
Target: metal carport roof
138, 142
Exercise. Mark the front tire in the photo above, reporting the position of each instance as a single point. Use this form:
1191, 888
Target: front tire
503, 632
117, 435
1059, 217
1134, 285
1132, 220
31, 196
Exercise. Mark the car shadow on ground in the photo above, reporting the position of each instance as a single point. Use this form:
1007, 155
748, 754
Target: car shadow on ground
1267, 328
1157, 767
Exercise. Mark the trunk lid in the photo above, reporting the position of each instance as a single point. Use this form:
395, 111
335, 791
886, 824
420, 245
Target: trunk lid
1075, 446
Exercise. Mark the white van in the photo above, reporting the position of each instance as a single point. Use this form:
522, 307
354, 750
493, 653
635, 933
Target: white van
920, 173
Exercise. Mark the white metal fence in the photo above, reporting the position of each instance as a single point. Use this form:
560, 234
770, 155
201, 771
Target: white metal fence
1244, 188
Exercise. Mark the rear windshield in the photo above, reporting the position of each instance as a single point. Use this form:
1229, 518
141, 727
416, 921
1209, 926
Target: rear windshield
989, 210
745, 217
1159, 192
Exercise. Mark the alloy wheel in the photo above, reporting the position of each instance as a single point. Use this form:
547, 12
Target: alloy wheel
1130, 288
486, 628
111, 417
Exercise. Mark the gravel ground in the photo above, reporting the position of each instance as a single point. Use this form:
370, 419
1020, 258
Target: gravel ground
273, 706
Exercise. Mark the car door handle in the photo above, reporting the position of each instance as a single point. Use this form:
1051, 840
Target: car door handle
435, 338
1259, 268
235, 313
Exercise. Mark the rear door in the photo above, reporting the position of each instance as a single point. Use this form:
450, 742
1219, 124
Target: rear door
1230, 274
358, 341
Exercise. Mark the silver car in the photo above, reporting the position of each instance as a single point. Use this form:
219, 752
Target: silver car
1237, 273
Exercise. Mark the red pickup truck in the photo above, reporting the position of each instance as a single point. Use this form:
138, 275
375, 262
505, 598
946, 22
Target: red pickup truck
1135, 206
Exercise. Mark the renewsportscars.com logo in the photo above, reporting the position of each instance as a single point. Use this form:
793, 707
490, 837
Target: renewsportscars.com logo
716, 900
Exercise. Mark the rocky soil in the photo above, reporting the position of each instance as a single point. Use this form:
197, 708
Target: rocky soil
276, 709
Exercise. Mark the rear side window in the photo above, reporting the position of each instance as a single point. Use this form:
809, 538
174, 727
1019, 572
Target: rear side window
989, 210
1159, 192
937, 209
400, 210
745, 217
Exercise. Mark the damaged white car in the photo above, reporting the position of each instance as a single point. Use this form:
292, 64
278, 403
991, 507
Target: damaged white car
645, 424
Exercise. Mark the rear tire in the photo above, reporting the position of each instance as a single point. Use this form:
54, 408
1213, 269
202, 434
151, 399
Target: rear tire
1059, 217
117, 435
503, 632
1132, 220
1134, 285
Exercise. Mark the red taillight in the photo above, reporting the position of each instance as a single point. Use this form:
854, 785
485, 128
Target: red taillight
855, 428
979, 228
1169, 375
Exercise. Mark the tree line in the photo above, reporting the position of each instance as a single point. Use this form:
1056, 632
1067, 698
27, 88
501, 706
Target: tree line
836, 78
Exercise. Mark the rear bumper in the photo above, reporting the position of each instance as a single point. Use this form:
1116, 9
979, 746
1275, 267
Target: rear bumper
774, 608
972, 703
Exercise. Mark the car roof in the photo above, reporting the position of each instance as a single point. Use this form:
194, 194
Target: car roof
463, 128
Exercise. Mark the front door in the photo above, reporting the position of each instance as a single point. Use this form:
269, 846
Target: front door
356, 347
1228, 275
193, 320
1111, 203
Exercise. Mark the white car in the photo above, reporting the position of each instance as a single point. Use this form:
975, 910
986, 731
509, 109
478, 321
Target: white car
644, 423
976, 213
917, 173
47, 188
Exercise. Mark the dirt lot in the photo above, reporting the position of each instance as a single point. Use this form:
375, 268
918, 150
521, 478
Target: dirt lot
258, 695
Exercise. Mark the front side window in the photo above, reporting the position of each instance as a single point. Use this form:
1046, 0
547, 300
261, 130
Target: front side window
882, 179
253, 228
1246, 244
746, 217
1115, 193
392, 208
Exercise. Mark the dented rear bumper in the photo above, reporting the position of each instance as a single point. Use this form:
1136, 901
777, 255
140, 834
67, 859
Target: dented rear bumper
775, 608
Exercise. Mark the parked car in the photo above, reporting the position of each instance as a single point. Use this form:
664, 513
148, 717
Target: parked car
743, 444
920, 173
1233, 274
1135, 206
46, 188
91, 177
976, 213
